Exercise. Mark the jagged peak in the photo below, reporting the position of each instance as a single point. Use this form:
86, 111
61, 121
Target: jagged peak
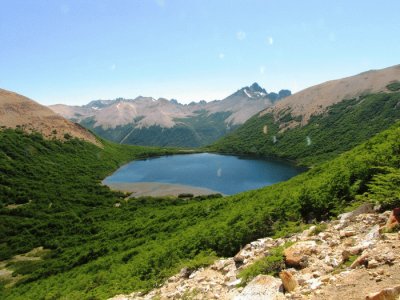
255, 87
256, 91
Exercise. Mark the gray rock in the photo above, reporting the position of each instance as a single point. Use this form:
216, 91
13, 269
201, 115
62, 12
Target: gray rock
263, 287
363, 209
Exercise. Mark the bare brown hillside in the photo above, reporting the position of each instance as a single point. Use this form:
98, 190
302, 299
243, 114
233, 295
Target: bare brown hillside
314, 100
19, 111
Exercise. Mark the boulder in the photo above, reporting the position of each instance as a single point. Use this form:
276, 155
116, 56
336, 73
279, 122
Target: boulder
355, 250
324, 236
314, 283
361, 260
347, 233
247, 247
288, 280
185, 272
308, 232
219, 265
297, 255
372, 263
325, 278
238, 259
362, 209
393, 220
262, 287
385, 294
346, 255
332, 261
233, 283
386, 257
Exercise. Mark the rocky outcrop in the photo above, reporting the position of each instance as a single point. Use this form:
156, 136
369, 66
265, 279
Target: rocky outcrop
394, 220
297, 255
386, 294
262, 287
353, 258
288, 280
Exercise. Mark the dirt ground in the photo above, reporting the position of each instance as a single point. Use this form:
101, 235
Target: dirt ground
156, 189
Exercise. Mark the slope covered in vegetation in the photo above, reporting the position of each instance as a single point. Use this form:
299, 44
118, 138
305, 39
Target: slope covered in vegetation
343, 126
198, 130
98, 250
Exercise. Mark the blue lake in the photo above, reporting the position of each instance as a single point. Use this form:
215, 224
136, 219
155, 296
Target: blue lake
226, 174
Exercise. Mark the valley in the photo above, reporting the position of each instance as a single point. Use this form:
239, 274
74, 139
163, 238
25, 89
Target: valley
161, 122
93, 239
199, 150
93, 245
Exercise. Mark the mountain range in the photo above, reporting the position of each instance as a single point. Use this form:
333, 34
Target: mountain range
162, 122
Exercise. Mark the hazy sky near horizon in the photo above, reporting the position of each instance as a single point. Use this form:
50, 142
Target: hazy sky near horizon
75, 51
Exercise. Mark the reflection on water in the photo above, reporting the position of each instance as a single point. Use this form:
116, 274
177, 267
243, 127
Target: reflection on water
224, 173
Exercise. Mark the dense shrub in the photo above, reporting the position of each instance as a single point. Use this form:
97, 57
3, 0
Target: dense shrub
395, 86
98, 250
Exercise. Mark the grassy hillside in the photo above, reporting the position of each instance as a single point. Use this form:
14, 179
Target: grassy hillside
343, 126
98, 250
199, 130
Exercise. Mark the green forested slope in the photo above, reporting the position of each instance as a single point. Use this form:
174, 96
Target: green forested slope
58, 183
198, 130
98, 250
343, 126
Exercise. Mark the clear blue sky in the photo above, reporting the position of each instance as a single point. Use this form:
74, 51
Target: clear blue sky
72, 52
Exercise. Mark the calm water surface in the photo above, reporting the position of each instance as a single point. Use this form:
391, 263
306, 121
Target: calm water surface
223, 173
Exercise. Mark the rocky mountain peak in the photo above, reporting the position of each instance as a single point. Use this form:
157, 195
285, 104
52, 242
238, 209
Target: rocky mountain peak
256, 91
97, 104
284, 93
253, 91
255, 87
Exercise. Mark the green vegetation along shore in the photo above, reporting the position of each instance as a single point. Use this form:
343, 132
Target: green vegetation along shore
97, 249
343, 126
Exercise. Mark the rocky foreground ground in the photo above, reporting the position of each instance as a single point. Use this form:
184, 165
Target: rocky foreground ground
354, 257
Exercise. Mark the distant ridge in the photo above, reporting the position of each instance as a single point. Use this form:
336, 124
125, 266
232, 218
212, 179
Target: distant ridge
163, 122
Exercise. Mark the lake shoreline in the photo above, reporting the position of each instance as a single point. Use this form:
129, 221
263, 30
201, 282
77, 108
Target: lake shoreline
158, 189
198, 174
